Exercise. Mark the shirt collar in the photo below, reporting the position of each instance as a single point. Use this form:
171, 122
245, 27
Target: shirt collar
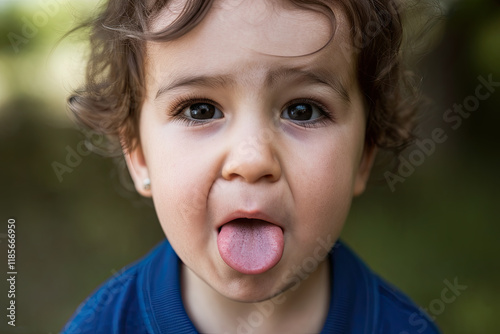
353, 296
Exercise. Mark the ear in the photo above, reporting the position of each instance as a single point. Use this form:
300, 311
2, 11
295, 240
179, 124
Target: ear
364, 169
138, 169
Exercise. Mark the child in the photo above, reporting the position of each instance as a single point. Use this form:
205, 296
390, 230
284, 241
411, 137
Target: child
251, 124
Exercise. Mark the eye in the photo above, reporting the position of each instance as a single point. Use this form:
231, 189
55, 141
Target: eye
202, 111
302, 112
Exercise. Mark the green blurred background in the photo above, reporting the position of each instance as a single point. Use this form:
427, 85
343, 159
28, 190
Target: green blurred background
441, 224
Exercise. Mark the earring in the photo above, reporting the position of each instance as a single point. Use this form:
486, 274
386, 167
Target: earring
146, 184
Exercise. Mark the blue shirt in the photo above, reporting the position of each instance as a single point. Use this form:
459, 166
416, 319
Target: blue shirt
146, 298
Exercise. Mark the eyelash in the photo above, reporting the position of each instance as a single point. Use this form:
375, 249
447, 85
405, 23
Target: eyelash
179, 104
326, 116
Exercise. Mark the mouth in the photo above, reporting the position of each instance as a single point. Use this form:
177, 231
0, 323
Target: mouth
249, 215
246, 220
250, 245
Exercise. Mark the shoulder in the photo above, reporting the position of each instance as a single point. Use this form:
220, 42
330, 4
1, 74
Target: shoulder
113, 307
377, 306
399, 314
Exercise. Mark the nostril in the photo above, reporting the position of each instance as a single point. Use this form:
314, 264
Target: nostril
252, 166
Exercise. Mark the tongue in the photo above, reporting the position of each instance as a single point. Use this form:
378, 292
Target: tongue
250, 246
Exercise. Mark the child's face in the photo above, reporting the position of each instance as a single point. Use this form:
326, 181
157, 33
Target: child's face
251, 140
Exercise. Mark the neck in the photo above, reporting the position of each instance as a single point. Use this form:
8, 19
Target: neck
301, 309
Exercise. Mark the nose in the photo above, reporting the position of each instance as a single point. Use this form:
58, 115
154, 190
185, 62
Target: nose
253, 158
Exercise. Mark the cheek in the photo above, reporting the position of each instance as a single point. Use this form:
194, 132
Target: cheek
179, 189
179, 196
323, 185
180, 184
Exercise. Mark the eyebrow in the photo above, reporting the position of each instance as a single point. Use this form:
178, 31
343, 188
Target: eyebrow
321, 77
273, 77
197, 80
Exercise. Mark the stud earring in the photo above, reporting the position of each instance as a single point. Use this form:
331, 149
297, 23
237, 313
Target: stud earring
146, 184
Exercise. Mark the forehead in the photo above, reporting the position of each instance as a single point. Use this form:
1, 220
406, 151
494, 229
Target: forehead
238, 35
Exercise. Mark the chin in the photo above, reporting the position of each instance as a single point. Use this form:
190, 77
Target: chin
253, 288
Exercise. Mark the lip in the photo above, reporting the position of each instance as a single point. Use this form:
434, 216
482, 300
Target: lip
254, 214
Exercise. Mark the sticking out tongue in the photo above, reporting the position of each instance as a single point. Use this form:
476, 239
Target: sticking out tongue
250, 246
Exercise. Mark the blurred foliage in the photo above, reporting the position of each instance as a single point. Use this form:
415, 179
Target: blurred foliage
441, 223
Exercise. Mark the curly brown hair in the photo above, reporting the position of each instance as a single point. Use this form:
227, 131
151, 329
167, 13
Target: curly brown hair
110, 101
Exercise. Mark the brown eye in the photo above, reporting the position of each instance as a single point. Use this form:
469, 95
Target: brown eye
202, 111
301, 112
